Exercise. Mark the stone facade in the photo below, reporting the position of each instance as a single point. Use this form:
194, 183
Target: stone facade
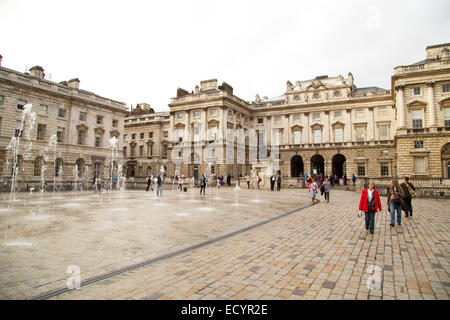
83, 122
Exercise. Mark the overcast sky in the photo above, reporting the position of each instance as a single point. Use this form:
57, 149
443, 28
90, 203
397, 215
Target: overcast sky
141, 51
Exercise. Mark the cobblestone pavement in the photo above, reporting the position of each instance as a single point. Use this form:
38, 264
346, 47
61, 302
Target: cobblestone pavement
322, 252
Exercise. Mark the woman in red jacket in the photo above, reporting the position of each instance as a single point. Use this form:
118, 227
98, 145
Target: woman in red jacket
370, 203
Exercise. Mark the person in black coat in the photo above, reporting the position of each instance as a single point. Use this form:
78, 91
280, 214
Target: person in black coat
272, 182
279, 182
229, 180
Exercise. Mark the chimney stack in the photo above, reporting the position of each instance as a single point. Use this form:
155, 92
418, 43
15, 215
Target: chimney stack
37, 71
74, 83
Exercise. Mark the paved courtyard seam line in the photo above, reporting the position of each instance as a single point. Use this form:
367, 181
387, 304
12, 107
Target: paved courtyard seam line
111, 274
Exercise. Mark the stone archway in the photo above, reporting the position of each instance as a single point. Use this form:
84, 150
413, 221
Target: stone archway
297, 167
80, 163
317, 165
338, 165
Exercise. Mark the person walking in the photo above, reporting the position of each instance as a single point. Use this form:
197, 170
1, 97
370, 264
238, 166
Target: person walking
279, 182
313, 187
326, 189
409, 192
395, 202
149, 184
248, 180
229, 180
258, 180
202, 184
272, 182
353, 179
180, 183
370, 203
331, 181
159, 188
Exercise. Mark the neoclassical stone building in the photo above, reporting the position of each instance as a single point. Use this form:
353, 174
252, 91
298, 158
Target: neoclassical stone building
82, 121
322, 125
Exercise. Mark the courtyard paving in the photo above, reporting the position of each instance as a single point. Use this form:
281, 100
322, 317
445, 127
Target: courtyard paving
319, 252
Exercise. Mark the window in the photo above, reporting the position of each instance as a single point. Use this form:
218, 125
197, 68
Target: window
361, 169
296, 98
384, 169
445, 88
164, 150
149, 150
141, 151
297, 137
338, 114
180, 134
382, 111
359, 134
338, 135
297, 117
17, 131
337, 93
260, 120
180, 116
124, 151
133, 136
133, 151
140, 171
277, 137
447, 117
149, 171
60, 134
150, 135
277, 119
41, 131
316, 96
82, 116
141, 135
213, 132
213, 112
316, 116
21, 104
416, 91
98, 139
58, 167
418, 144
61, 113
383, 131
43, 110
196, 114
196, 133
99, 119
80, 137
419, 165
2, 98
125, 137
38, 166
165, 134
359, 113
417, 118
317, 136
115, 123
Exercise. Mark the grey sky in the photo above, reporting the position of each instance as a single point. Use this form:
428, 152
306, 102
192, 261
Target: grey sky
134, 51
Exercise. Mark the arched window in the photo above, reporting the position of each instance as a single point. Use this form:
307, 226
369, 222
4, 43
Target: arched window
38, 162
58, 167
80, 167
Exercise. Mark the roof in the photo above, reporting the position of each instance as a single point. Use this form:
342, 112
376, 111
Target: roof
368, 89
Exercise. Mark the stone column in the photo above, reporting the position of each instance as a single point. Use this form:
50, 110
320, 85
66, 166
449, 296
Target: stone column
287, 133
269, 131
372, 120
187, 131
431, 106
172, 128
350, 124
327, 113
221, 130
204, 128
400, 104
308, 129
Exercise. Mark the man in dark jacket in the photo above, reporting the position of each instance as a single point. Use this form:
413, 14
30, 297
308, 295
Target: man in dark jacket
279, 182
202, 184
272, 182
407, 188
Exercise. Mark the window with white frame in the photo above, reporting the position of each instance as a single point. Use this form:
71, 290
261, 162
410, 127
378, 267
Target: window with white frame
196, 133
213, 112
61, 113
446, 87
297, 117
277, 119
361, 169
60, 134
180, 134
383, 132
21, 104
180, 116
43, 110
338, 135
297, 136
419, 165
338, 114
41, 130
114, 123
80, 138
98, 138
360, 133
82, 116
213, 132
359, 113
141, 151
416, 91
277, 137
417, 118
196, 114
384, 169
317, 136
99, 119
149, 150
382, 111
447, 117
316, 116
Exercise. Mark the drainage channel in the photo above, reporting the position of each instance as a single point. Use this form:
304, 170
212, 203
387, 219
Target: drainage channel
95, 279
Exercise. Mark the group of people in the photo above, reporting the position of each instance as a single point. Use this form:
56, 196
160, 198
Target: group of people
159, 184
275, 178
399, 198
323, 185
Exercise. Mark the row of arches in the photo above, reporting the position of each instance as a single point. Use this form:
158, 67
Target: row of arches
318, 165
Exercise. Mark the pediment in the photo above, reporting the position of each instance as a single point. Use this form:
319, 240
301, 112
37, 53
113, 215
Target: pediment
82, 126
317, 125
296, 127
212, 122
179, 126
445, 102
416, 103
114, 133
99, 130
337, 124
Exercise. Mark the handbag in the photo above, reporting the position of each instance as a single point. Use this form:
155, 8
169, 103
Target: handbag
412, 193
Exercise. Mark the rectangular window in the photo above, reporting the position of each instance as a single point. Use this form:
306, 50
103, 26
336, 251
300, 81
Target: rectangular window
260, 120
277, 137
2, 98
141, 135
17, 130
41, 131
180, 134
359, 113
338, 135
115, 123
43, 110
21, 104
418, 144
297, 117
164, 150
213, 132
316, 96
383, 131
416, 91
447, 117
99, 119
359, 134
80, 137
317, 136
419, 165
133, 151
277, 119
361, 169
384, 169
196, 114
61, 113
382, 111
213, 112
316, 116
150, 135
180, 116
446, 87
82, 116
165, 134
133, 136
417, 119
337, 114
140, 171
98, 138
60, 134
149, 150
141, 151
297, 137
124, 151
